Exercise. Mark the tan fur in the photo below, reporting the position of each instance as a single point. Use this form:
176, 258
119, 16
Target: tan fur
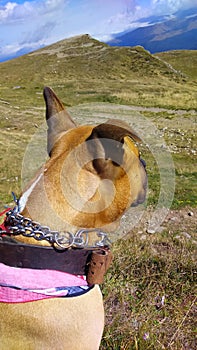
59, 324
85, 183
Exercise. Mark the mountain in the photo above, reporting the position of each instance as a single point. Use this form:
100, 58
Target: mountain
18, 53
83, 70
83, 57
163, 34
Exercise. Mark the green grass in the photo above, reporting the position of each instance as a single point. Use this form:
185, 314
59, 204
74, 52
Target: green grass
180, 61
142, 274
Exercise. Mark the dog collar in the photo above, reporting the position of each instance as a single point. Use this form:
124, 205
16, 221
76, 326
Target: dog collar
16, 224
92, 261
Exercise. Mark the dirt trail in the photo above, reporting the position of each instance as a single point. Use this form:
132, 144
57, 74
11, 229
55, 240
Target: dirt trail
159, 109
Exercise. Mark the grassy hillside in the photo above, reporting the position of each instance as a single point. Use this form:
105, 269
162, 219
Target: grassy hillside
82, 69
149, 291
182, 60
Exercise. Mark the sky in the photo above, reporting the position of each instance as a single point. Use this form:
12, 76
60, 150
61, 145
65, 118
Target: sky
28, 25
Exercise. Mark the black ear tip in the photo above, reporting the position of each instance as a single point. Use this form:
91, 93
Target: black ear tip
47, 91
47, 88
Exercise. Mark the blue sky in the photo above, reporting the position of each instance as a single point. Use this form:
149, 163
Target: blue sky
27, 25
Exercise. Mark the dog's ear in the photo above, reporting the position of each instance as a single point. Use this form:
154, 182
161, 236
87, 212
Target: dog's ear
58, 119
121, 129
107, 144
114, 129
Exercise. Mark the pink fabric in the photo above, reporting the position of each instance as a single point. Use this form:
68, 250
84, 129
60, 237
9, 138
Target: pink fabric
10, 295
12, 279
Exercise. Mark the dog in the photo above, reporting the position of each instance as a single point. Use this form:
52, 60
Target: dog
93, 174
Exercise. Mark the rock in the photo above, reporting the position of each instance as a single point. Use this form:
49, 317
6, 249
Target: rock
186, 235
150, 230
143, 237
174, 218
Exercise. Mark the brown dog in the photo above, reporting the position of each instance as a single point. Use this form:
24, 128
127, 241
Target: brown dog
93, 175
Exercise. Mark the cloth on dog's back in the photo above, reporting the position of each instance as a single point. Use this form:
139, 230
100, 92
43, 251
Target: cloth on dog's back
19, 285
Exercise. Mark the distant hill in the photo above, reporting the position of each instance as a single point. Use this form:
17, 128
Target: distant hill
82, 70
83, 58
163, 34
18, 53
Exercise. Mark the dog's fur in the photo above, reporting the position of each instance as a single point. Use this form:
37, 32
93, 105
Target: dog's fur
93, 175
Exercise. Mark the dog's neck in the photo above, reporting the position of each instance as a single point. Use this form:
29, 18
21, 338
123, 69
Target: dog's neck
24, 198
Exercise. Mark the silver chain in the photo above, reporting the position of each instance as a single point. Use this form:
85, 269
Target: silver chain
19, 225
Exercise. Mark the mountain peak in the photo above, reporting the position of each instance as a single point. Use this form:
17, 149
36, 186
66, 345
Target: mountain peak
68, 46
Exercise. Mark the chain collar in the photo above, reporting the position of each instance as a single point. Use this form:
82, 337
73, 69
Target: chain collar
17, 224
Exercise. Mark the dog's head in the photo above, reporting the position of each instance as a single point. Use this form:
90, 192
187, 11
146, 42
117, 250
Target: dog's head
95, 172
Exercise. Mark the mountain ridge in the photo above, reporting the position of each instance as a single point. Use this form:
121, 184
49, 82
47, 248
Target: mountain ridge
82, 70
176, 33
86, 57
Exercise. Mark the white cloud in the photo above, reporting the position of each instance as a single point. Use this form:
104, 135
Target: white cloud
7, 10
38, 35
29, 25
12, 12
170, 6
128, 18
